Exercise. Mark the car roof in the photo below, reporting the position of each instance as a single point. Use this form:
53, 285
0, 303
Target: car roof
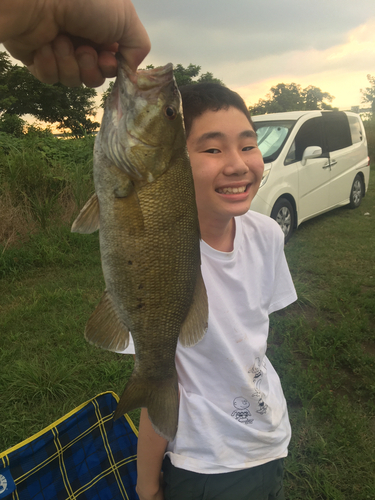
289, 115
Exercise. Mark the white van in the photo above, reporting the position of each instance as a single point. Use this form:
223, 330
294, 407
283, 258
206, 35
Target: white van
314, 161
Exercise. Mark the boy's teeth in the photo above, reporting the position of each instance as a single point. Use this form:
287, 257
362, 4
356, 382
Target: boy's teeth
230, 190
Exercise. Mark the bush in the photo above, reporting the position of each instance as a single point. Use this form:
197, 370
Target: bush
43, 180
370, 134
12, 124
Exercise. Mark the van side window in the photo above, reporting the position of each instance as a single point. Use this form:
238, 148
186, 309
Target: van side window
310, 134
337, 131
355, 129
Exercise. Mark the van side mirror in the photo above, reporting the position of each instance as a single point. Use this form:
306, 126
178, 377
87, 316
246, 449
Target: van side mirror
311, 152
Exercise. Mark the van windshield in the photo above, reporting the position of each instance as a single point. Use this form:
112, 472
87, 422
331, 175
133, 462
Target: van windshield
272, 136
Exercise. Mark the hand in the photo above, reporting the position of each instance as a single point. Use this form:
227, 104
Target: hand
150, 453
73, 41
159, 495
146, 494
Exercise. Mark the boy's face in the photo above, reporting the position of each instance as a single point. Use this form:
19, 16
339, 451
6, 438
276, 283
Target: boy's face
226, 163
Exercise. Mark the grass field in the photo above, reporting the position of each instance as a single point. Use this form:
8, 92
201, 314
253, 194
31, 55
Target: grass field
323, 346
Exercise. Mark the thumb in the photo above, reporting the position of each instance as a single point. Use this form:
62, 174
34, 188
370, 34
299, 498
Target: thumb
135, 44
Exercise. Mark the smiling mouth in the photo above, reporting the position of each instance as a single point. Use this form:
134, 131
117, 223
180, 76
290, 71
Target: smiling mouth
232, 190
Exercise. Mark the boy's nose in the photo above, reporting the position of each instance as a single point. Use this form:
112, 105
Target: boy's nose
235, 165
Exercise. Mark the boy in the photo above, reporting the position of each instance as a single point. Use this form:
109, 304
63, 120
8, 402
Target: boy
233, 429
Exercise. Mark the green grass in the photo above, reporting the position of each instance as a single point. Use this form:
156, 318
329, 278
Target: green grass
323, 346
50, 287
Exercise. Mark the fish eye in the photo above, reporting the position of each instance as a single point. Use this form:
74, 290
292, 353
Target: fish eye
170, 112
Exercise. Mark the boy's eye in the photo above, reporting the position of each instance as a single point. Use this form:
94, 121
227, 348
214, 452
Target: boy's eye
212, 151
248, 148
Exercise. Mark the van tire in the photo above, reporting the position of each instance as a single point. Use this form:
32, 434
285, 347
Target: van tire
356, 193
283, 213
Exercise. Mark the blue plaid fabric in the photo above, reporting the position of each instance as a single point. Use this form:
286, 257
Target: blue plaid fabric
84, 455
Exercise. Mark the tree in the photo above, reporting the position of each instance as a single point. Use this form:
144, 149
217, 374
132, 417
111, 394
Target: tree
368, 94
314, 98
22, 94
183, 76
12, 124
291, 97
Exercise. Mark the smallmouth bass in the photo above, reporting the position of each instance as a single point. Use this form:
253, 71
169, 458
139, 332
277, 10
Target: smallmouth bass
144, 207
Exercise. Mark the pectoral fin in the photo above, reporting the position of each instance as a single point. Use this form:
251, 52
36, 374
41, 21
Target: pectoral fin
105, 329
196, 322
88, 219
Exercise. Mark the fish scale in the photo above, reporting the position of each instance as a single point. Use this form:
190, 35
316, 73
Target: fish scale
144, 207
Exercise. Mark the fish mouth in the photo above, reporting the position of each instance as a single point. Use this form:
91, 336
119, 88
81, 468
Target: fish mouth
233, 189
144, 80
157, 77
130, 86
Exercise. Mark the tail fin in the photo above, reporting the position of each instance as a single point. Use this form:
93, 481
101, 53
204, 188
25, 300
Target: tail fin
159, 396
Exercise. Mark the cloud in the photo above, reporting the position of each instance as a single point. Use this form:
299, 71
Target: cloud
243, 30
340, 70
253, 45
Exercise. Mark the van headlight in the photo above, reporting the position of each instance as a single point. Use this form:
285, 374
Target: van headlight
266, 173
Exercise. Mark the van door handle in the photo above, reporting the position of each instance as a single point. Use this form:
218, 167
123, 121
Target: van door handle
330, 164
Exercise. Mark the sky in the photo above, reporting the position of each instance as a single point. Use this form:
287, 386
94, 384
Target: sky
252, 46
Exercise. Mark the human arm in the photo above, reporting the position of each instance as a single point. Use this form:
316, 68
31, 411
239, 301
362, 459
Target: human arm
73, 41
151, 449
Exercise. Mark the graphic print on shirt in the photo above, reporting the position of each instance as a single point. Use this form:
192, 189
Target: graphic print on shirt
258, 375
242, 412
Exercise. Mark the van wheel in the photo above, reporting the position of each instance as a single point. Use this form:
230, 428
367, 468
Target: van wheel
283, 214
356, 193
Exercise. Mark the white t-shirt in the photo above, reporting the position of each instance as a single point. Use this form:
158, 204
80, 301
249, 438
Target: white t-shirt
232, 412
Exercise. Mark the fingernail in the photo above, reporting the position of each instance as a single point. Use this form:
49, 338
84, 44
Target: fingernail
62, 48
86, 61
46, 50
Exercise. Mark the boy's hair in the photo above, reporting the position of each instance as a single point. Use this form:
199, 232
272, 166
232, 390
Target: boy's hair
207, 96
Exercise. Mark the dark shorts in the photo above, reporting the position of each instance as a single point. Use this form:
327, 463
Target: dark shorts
264, 482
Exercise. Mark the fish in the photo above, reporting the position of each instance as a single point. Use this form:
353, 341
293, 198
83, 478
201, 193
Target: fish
144, 207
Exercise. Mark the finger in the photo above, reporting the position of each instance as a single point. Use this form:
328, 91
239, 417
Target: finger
67, 65
90, 72
135, 44
18, 51
134, 57
107, 63
44, 66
